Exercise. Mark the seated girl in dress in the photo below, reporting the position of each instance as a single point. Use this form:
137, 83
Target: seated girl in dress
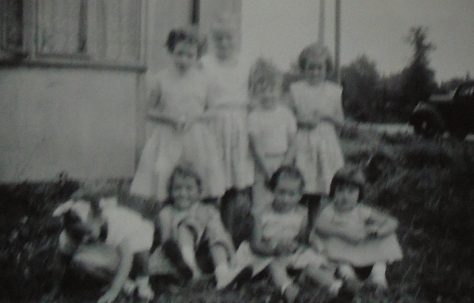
186, 223
279, 237
103, 241
355, 235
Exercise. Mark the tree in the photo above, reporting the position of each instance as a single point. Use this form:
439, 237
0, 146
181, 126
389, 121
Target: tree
361, 81
417, 78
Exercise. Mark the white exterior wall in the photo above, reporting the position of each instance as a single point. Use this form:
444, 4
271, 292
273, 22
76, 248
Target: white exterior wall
80, 122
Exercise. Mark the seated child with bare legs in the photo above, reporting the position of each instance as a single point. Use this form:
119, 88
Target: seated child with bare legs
187, 223
107, 242
354, 235
279, 237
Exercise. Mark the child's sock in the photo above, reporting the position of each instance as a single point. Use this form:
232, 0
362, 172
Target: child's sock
377, 276
346, 272
144, 288
335, 287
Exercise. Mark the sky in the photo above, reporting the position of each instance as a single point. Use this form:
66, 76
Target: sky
279, 29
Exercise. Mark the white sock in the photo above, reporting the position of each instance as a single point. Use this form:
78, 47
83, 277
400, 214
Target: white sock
335, 287
143, 281
347, 272
377, 274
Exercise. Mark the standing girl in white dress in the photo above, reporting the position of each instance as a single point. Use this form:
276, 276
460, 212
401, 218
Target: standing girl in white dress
272, 130
229, 102
318, 107
181, 133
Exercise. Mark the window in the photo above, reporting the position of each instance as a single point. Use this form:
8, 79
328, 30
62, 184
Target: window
11, 25
84, 32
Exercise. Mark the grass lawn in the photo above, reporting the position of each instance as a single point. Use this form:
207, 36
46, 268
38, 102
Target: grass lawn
428, 186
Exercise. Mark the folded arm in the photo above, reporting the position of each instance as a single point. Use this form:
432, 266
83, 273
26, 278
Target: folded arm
327, 228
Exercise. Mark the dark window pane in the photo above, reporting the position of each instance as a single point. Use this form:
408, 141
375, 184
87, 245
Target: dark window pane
11, 23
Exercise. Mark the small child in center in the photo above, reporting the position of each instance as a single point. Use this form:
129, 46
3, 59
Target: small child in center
358, 237
279, 240
187, 223
272, 130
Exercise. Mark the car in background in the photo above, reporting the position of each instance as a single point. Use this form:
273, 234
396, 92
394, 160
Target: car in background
452, 113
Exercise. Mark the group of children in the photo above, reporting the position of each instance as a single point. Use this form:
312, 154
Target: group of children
220, 129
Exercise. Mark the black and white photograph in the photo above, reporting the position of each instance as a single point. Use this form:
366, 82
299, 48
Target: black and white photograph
214, 151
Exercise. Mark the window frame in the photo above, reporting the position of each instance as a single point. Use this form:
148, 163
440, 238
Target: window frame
34, 57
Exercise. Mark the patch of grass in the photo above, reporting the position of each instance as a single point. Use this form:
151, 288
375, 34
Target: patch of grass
427, 185
431, 192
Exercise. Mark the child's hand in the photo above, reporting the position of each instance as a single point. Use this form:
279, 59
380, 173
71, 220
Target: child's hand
286, 248
182, 123
357, 235
372, 230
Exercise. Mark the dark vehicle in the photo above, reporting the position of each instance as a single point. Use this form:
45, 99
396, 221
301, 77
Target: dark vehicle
453, 113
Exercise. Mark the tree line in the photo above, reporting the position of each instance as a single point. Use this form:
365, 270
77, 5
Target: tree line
370, 97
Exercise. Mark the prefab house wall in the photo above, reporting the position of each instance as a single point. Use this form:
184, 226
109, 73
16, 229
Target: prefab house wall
73, 82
